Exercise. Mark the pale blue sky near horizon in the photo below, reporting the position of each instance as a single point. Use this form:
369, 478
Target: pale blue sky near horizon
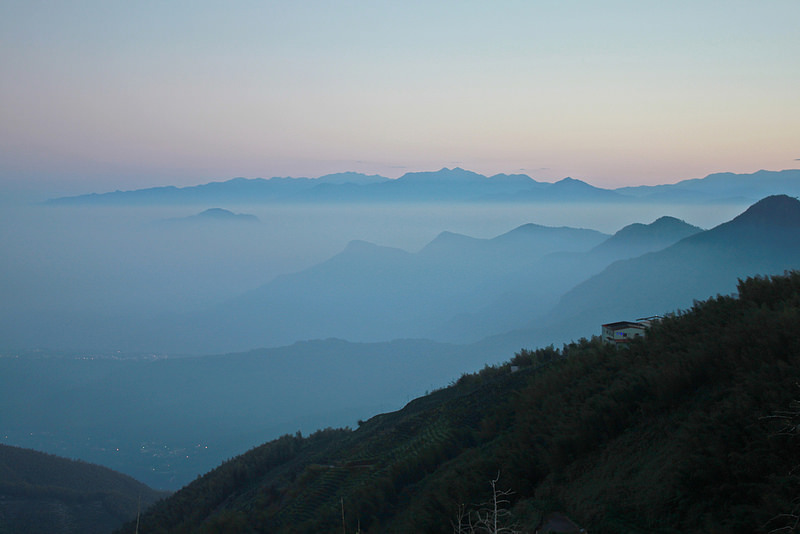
99, 95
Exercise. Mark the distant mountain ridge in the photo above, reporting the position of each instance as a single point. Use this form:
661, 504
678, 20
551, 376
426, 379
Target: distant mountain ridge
448, 185
456, 289
721, 187
764, 240
214, 215
370, 292
531, 284
638, 238
538, 294
532, 291
234, 191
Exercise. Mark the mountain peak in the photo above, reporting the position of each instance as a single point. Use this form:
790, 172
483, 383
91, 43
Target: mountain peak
638, 238
217, 213
444, 174
449, 242
221, 214
775, 210
667, 223
665, 219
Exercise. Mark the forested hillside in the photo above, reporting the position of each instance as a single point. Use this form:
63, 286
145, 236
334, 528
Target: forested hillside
692, 429
44, 493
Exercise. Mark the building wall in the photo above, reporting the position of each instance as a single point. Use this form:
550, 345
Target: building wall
621, 335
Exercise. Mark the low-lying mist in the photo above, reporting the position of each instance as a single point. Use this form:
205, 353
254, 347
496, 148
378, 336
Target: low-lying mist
112, 295
74, 277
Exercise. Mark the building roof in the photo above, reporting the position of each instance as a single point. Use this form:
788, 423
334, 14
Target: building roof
623, 324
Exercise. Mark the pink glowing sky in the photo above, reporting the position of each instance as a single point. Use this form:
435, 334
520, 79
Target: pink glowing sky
98, 95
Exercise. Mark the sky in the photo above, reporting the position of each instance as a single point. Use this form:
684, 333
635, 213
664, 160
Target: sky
105, 95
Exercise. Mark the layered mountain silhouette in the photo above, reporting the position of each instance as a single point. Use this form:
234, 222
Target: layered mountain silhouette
542, 284
531, 287
371, 293
457, 288
539, 283
448, 185
725, 186
637, 238
234, 191
764, 240
531, 292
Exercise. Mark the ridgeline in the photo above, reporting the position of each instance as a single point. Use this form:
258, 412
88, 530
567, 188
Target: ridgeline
692, 429
45, 493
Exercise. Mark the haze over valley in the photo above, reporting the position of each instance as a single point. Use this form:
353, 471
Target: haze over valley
120, 309
98, 276
314, 267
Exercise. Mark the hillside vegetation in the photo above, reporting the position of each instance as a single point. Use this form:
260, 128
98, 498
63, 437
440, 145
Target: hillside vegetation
44, 493
688, 430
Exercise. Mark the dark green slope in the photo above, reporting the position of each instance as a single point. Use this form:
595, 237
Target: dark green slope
44, 493
765, 240
691, 430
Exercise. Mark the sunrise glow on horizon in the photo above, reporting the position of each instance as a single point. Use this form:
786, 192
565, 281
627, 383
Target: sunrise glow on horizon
98, 96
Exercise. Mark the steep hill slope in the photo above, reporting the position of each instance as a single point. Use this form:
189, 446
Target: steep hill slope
765, 239
44, 493
692, 429
532, 290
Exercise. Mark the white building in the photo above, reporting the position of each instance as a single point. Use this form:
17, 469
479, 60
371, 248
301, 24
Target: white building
623, 331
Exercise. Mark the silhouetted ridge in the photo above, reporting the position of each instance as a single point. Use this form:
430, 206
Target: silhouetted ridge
443, 175
776, 210
449, 241
221, 214
661, 233
528, 228
580, 430
213, 215
763, 240
217, 213
45, 493
668, 222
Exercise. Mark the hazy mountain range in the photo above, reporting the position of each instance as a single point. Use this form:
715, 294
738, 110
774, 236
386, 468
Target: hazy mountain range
460, 289
691, 429
373, 293
449, 185
457, 288
362, 331
765, 239
530, 287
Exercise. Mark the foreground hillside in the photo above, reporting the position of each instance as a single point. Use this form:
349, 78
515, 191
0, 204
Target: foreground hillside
690, 430
44, 493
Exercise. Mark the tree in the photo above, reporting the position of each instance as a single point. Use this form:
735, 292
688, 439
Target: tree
491, 517
789, 426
